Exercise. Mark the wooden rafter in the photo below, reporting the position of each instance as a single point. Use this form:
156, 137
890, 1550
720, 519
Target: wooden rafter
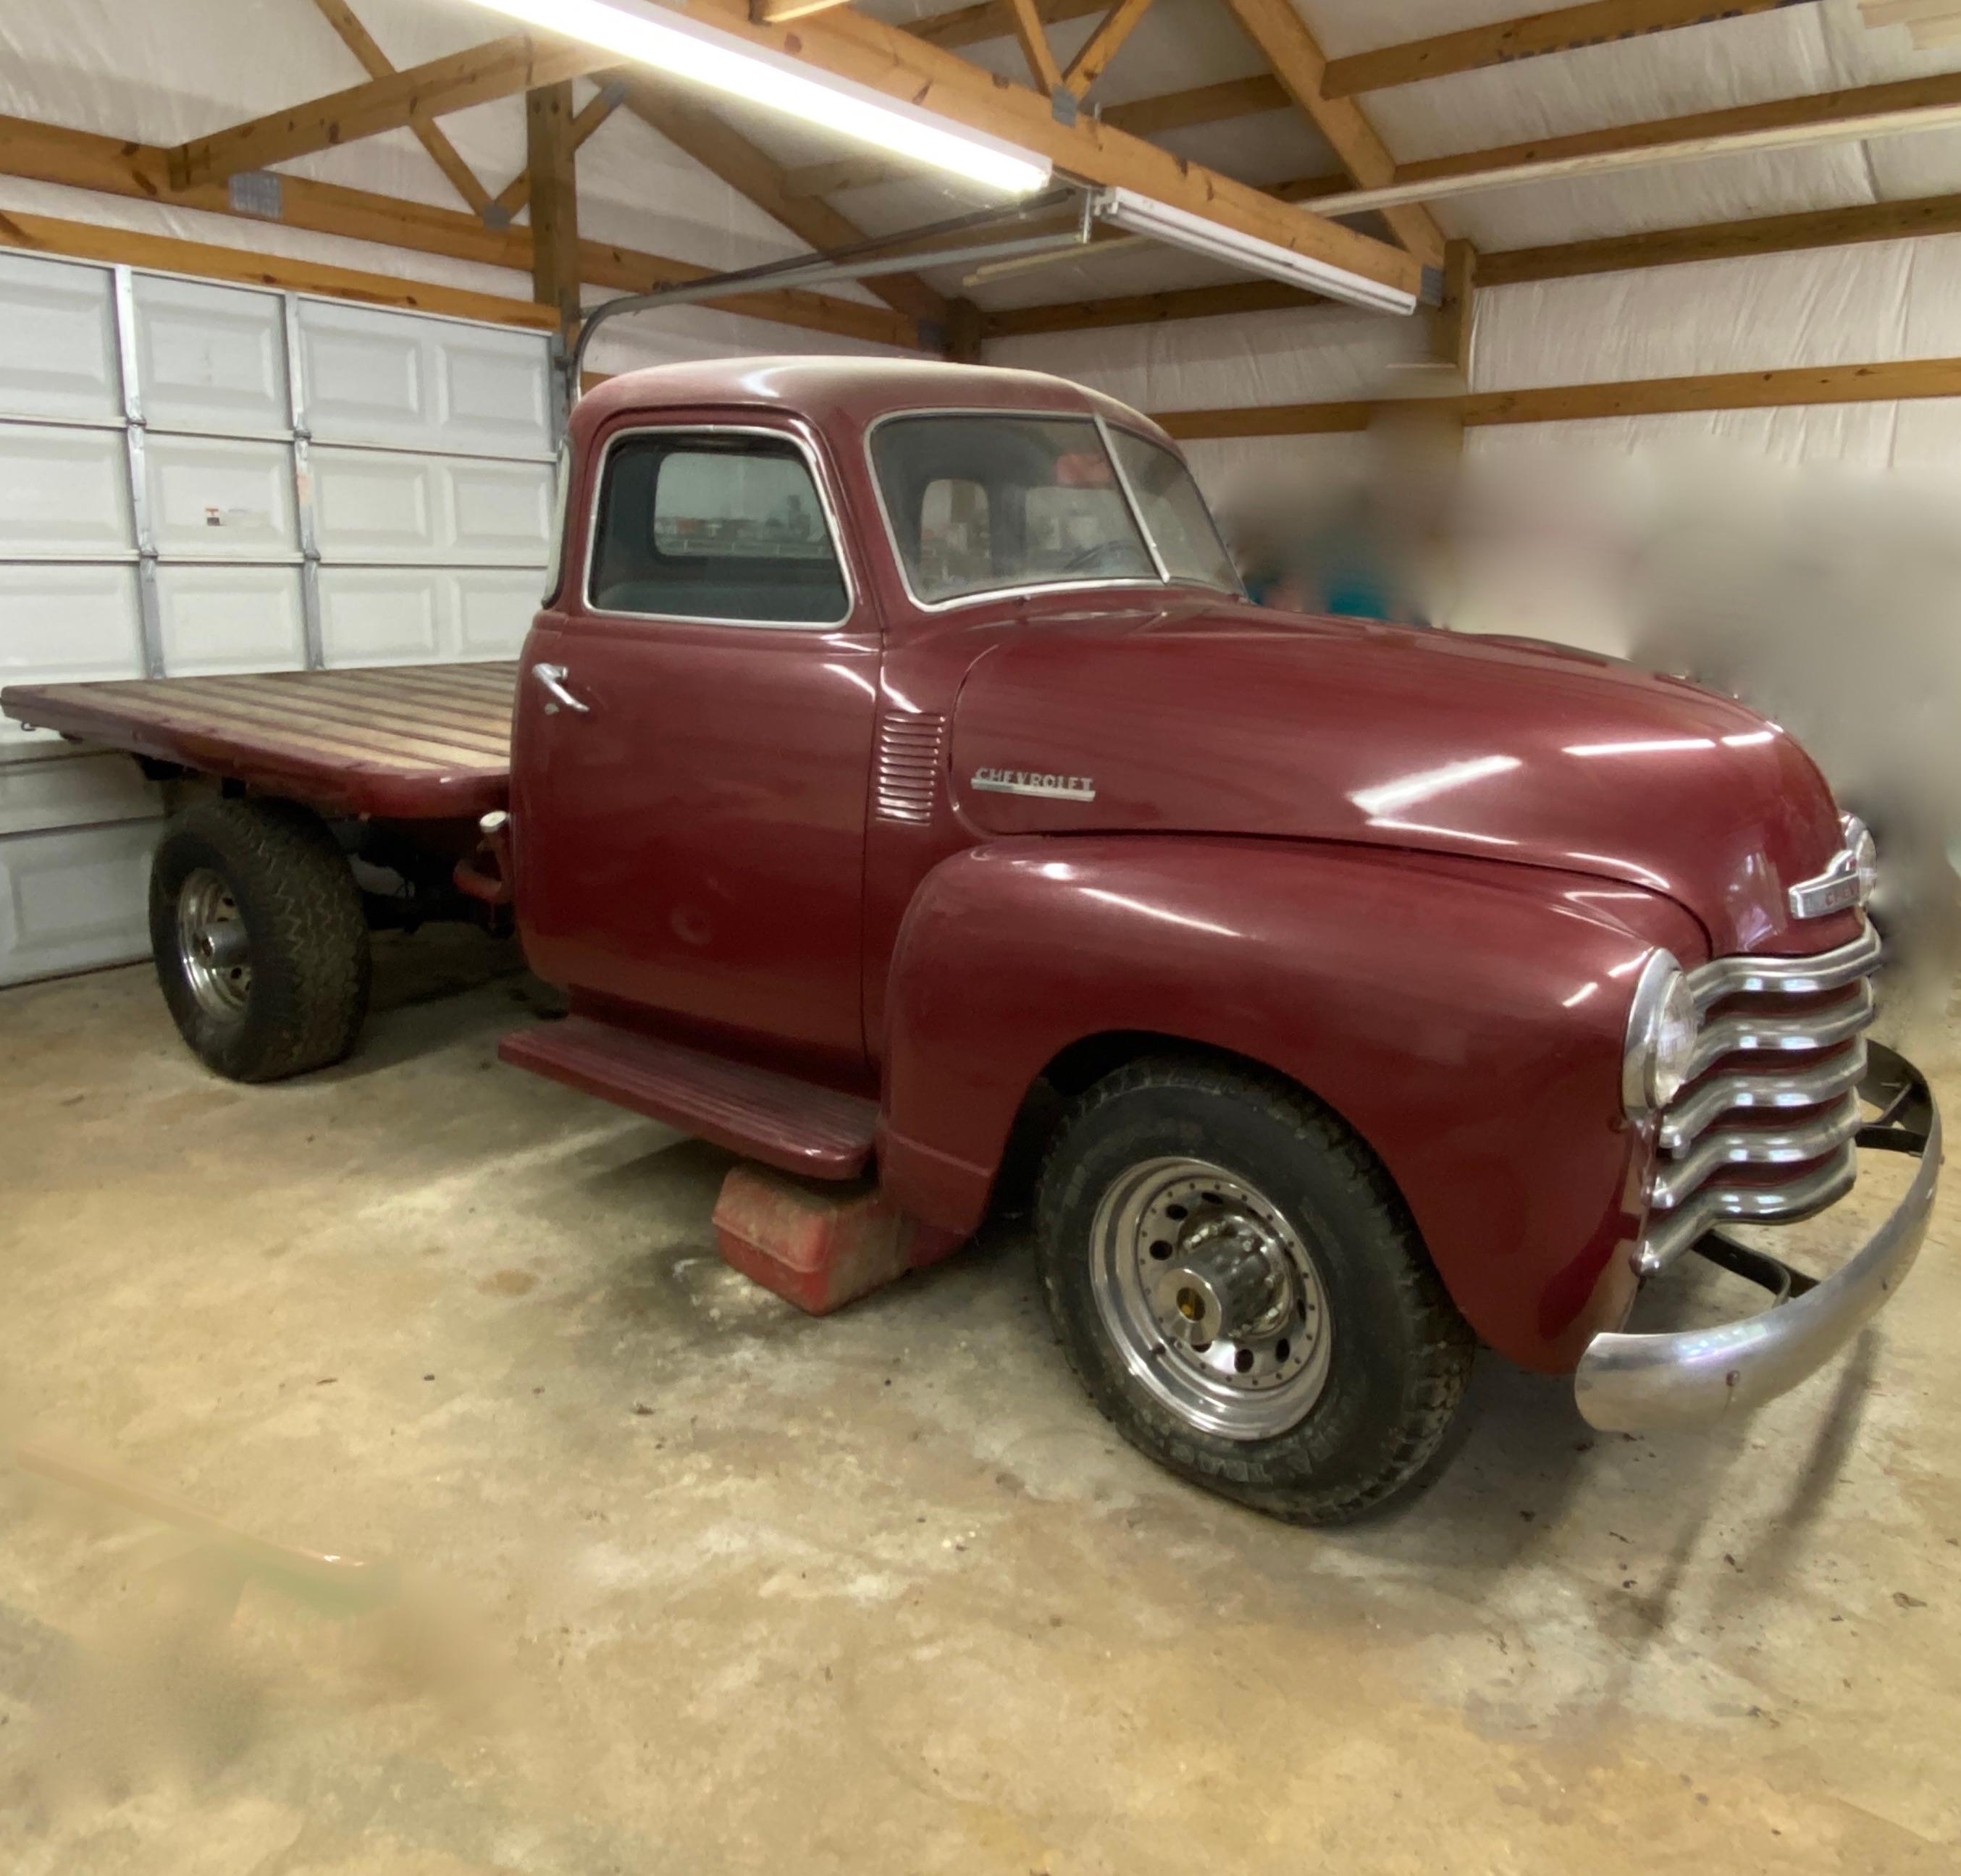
1540, 166
1818, 110
849, 44
1562, 403
701, 133
80, 159
377, 64
504, 66
1504, 41
1034, 42
1101, 46
1287, 46
1202, 104
590, 115
994, 19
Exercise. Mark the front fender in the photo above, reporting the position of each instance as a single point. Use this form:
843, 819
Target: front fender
1466, 1018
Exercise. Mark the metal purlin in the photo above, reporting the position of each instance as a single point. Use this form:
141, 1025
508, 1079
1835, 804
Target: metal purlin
311, 627
149, 610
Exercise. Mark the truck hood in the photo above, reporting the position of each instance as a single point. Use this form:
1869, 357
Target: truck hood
1228, 719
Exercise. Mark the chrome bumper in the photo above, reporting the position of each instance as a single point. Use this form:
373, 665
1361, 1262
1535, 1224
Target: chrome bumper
1643, 1384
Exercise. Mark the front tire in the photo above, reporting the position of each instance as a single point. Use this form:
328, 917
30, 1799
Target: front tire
1242, 1292
260, 946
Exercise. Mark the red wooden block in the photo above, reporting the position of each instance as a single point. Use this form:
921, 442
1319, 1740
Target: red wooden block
819, 1244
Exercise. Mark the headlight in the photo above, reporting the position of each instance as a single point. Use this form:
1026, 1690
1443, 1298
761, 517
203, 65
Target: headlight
1662, 1028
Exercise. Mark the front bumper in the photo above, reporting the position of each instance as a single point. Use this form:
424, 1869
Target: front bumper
1637, 1384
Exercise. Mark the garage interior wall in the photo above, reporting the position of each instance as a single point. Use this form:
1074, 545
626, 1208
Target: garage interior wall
162, 73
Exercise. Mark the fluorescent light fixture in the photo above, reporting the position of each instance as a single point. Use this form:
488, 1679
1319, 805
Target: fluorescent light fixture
668, 40
1178, 227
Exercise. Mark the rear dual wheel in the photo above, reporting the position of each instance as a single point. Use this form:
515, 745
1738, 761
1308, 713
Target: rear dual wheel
1243, 1293
261, 948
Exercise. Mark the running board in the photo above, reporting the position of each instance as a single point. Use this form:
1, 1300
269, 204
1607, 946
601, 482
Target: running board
773, 1118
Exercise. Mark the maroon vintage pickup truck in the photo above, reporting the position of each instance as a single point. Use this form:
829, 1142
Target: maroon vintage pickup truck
900, 781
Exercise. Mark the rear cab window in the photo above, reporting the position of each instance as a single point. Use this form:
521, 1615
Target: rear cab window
718, 526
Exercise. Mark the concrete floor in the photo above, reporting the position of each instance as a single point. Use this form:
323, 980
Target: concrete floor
690, 1582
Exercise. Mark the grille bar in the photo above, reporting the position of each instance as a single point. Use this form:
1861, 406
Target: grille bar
1690, 1117
1736, 1146
1797, 1067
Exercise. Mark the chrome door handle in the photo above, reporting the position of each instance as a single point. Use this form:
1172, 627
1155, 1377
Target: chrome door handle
553, 677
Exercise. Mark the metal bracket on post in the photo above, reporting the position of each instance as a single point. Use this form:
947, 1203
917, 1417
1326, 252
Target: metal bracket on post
1063, 106
562, 371
149, 605
312, 630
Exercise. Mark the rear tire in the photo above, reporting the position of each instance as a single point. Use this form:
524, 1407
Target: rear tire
1242, 1292
260, 945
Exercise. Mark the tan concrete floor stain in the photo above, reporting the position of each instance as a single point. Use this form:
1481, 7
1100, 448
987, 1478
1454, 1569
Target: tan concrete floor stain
690, 1582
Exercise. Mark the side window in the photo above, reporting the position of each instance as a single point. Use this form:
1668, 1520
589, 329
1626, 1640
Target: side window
707, 525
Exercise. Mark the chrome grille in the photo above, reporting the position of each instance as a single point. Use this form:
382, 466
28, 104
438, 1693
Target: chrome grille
1764, 1131
909, 756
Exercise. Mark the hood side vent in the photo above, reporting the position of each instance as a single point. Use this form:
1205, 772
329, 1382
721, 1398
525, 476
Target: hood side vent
910, 751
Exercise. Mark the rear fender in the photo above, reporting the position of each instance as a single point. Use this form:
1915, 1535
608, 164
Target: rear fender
1466, 1018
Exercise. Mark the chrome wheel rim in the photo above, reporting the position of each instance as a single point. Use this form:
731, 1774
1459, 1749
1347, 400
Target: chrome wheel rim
214, 950
1211, 1298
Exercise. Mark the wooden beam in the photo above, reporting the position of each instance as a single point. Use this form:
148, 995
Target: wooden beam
772, 11
1291, 49
1804, 385
1504, 41
1202, 104
549, 163
699, 130
590, 115
1033, 41
1726, 240
91, 241
1101, 46
992, 19
846, 172
521, 62
1456, 317
1144, 309
1820, 110
850, 45
358, 40
80, 159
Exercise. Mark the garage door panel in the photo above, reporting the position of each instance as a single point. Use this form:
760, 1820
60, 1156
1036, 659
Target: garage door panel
373, 504
494, 610
210, 357
63, 491
384, 615
496, 393
230, 618
63, 625
405, 383
221, 497
73, 899
58, 341
501, 512
36, 796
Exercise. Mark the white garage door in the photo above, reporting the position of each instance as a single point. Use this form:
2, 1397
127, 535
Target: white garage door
198, 478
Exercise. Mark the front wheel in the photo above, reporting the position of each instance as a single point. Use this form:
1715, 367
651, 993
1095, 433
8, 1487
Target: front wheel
1242, 1292
260, 946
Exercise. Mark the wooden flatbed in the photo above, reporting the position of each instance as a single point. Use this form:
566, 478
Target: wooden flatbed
415, 742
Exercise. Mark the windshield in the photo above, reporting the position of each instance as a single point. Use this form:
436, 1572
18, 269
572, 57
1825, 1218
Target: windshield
979, 504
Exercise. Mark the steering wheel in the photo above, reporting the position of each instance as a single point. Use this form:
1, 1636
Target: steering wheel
1085, 560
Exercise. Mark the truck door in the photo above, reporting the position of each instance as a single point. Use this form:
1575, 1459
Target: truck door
692, 742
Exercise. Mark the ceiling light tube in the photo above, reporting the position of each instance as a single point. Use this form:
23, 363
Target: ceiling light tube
670, 41
1178, 227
